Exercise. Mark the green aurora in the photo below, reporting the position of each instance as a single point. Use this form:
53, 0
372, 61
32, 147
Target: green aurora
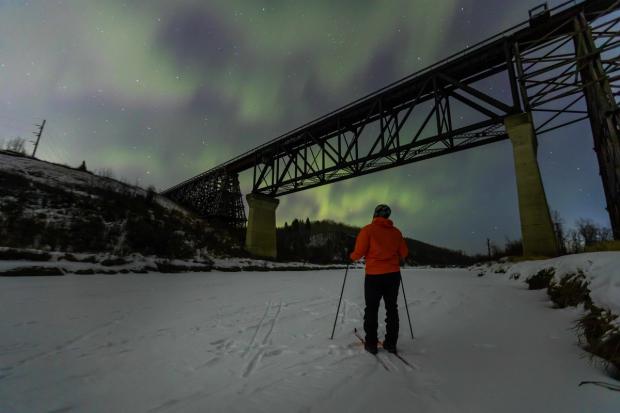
158, 91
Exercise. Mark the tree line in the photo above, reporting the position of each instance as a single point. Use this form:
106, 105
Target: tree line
327, 241
583, 236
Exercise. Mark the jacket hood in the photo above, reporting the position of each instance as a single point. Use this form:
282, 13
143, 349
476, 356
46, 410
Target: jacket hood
385, 222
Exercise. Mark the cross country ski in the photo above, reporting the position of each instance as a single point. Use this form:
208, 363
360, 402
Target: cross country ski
396, 354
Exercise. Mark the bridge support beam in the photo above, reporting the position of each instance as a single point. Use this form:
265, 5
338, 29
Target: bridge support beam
536, 226
260, 237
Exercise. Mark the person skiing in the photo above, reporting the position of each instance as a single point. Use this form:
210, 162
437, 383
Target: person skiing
383, 246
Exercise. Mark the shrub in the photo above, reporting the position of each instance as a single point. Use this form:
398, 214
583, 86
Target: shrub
12, 210
168, 267
111, 262
10, 183
541, 279
601, 335
87, 271
56, 236
571, 290
88, 233
151, 192
30, 228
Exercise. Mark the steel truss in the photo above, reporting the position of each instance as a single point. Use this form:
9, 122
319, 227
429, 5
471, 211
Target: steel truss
551, 69
216, 196
572, 74
447, 107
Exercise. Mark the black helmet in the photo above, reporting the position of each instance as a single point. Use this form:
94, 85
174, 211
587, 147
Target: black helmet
382, 210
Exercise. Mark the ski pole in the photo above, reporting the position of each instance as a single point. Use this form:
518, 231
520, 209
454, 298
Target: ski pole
406, 306
341, 292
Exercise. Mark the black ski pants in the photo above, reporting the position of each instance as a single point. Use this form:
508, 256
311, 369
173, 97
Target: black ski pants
376, 287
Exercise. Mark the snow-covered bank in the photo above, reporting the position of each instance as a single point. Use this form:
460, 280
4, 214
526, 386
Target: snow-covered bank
239, 342
103, 263
602, 270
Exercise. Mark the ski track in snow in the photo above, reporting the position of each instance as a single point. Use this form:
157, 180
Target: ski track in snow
254, 362
241, 342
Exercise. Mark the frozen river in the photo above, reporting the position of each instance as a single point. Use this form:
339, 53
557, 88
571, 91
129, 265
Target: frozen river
259, 342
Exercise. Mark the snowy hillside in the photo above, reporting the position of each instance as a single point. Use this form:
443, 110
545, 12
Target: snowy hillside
52, 207
259, 342
62, 176
59, 175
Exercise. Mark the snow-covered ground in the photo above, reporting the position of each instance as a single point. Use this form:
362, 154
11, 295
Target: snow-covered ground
259, 341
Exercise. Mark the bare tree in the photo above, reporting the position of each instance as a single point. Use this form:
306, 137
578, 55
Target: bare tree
588, 230
16, 145
496, 250
574, 242
105, 173
606, 234
560, 233
513, 247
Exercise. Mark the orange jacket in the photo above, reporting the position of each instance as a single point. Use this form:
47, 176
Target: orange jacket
383, 246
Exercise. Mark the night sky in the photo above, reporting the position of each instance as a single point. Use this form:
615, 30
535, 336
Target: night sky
158, 91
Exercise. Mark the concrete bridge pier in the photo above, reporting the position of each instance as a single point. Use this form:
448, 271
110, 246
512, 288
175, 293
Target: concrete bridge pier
260, 237
536, 226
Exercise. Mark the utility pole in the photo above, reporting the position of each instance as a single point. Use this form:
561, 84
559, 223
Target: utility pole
489, 247
38, 135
